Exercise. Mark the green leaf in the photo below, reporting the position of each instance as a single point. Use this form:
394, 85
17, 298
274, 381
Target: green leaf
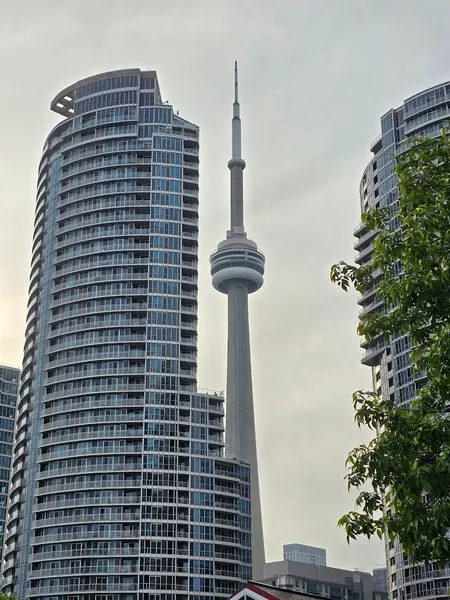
403, 475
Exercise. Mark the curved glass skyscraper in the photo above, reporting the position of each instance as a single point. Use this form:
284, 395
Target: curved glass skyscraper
421, 115
119, 485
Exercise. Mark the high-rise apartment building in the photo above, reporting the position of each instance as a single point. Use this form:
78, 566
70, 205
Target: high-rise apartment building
9, 383
237, 269
309, 555
421, 115
120, 486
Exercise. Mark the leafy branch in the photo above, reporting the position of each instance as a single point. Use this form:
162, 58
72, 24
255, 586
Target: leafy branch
403, 474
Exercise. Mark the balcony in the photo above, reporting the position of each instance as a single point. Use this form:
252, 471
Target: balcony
67, 298
83, 570
361, 227
376, 145
373, 354
366, 237
189, 308
92, 278
95, 389
118, 417
98, 403
85, 265
88, 435
190, 249
87, 485
96, 204
83, 451
90, 468
371, 307
364, 255
193, 235
118, 499
70, 239
193, 151
117, 245
67, 519
114, 551
101, 588
92, 373
80, 357
367, 295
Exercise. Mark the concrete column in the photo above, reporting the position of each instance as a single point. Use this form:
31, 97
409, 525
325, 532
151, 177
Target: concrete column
237, 202
240, 435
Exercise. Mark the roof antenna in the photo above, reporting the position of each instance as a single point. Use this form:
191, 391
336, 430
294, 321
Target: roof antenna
236, 124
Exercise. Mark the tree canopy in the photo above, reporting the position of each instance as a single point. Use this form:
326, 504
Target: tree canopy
403, 475
8, 597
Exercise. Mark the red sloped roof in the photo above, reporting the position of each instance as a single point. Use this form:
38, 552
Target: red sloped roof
255, 589
270, 592
260, 591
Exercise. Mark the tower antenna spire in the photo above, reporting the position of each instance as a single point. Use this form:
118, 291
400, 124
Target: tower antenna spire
236, 123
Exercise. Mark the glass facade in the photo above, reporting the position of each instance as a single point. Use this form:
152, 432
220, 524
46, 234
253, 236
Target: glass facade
305, 554
120, 489
422, 115
9, 383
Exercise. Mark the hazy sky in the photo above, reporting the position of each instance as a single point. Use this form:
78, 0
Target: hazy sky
316, 75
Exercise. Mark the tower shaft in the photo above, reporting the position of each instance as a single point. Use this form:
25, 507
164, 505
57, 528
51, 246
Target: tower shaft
240, 434
237, 203
240, 430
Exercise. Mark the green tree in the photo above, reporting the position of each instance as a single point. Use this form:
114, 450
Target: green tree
8, 597
406, 467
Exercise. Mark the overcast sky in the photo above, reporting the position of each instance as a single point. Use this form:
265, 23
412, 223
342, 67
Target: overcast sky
315, 77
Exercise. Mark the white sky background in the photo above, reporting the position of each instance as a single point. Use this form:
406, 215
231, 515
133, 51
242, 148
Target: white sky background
315, 77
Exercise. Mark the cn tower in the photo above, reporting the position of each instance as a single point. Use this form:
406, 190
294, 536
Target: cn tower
237, 269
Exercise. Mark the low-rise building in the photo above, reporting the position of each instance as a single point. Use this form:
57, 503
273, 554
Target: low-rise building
326, 582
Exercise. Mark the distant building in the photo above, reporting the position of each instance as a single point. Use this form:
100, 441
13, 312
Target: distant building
327, 582
380, 579
309, 555
9, 381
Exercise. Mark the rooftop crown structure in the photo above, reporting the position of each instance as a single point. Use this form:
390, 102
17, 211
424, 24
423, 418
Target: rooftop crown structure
237, 269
